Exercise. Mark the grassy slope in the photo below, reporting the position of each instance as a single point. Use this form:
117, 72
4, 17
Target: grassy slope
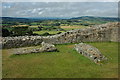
63, 27
73, 27
64, 64
50, 32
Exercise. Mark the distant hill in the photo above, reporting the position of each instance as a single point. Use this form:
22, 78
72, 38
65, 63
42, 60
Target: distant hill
14, 19
91, 18
30, 18
47, 18
84, 20
88, 18
7, 20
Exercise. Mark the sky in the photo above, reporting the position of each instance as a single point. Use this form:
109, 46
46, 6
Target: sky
59, 0
60, 9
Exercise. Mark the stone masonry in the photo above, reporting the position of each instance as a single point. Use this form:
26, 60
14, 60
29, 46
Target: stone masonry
103, 32
45, 48
90, 52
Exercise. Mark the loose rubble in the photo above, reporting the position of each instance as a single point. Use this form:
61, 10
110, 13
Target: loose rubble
90, 52
45, 48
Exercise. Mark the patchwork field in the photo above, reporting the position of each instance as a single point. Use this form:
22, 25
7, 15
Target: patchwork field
63, 27
50, 32
72, 27
66, 63
35, 26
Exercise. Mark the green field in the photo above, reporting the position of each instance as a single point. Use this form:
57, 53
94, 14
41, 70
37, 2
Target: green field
64, 64
73, 27
67, 28
50, 32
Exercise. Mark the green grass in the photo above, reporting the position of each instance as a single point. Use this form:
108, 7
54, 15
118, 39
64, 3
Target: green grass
50, 32
64, 64
73, 27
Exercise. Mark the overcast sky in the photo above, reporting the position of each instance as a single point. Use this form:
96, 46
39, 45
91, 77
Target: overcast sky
59, 9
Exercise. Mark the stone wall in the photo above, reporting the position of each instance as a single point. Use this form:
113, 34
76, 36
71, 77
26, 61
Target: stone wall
104, 32
90, 52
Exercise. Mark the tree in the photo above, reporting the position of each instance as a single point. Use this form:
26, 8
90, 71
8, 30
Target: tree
5, 32
45, 34
21, 31
40, 27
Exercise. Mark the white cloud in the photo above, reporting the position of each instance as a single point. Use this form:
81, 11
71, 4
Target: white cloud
60, 1
59, 9
6, 6
34, 10
39, 13
39, 8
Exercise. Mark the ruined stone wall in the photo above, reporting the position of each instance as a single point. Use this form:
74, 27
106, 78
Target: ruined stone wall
90, 52
104, 32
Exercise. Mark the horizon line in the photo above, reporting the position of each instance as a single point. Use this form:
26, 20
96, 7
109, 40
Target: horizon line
61, 17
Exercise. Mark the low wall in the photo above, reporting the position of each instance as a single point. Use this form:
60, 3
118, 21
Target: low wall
104, 32
90, 52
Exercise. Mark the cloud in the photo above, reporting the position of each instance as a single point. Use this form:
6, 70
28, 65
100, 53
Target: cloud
34, 10
40, 13
6, 6
59, 9
60, 1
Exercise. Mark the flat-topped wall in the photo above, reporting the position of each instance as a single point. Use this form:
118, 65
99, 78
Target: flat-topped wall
104, 32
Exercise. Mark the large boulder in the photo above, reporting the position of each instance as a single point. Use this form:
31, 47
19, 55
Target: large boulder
46, 47
90, 52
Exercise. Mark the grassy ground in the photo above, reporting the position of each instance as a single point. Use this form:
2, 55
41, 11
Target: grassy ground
64, 64
63, 27
72, 27
50, 32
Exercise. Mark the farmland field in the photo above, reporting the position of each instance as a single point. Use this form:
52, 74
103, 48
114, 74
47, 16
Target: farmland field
50, 32
63, 27
34, 26
72, 27
66, 63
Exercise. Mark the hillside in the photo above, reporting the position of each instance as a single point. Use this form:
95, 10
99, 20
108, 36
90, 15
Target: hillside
83, 18
96, 18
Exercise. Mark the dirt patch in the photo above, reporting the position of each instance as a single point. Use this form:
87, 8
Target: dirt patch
70, 46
